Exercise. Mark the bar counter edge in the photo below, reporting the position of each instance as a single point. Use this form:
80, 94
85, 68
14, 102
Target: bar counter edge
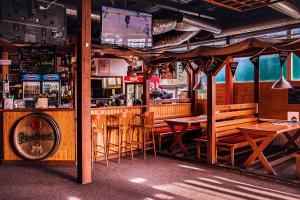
65, 118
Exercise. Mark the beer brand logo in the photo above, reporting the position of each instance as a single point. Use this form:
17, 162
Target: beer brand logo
36, 136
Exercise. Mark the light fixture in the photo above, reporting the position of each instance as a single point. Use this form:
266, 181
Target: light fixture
282, 83
201, 85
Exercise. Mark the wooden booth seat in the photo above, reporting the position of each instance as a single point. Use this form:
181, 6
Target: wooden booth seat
162, 129
228, 136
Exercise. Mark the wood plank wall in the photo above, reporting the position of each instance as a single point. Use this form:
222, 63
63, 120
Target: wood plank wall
66, 123
273, 103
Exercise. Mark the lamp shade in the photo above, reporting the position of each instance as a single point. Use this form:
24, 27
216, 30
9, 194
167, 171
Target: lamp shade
282, 84
200, 85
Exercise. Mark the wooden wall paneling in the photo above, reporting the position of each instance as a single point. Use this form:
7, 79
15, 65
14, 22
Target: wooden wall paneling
65, 121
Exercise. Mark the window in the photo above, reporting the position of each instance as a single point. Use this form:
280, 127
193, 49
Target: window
269, 68
244, 71
295, 67
220, 78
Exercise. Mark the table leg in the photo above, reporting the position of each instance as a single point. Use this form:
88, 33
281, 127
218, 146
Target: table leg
292, 140
258, 153
178, 138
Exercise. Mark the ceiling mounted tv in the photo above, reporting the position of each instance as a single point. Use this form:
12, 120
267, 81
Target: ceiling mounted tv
126, 28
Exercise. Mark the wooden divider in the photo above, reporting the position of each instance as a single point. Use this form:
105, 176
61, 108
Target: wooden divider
171, 110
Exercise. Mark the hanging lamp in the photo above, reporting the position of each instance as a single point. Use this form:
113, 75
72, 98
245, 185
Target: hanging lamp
282, 83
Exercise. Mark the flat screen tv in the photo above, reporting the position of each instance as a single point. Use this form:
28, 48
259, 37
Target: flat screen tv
126, 28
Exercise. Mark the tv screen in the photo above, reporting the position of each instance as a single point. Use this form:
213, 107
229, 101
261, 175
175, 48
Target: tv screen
126, 28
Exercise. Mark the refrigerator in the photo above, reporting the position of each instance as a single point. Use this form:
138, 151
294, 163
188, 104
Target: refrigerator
133, 90
51, 88
31, 88
46, 84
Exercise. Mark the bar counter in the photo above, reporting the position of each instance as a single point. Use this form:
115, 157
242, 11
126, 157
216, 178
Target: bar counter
65, 121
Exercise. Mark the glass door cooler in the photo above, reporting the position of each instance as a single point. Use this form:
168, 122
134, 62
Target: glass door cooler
51, 89
134, 90
31, 89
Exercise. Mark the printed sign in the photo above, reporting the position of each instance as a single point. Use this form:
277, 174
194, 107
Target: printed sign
31, 77
133, 79
36, 136
51, 77
283, 56
233, 67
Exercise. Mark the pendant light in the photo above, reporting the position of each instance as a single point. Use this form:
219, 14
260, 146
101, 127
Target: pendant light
201, 85
282, 83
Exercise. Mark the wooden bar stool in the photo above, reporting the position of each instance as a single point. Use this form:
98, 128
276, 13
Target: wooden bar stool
98, 130
146, 128
122, 123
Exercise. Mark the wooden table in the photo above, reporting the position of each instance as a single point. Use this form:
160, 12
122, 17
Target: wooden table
184, 123
270, 130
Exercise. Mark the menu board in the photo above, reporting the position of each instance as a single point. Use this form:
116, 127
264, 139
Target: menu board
294, 95
37, 60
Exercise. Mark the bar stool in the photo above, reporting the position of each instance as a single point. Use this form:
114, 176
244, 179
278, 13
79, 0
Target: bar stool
122, 123
98, 129
146, 128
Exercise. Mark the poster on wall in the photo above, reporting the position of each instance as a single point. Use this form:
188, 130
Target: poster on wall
168, 71
103, 67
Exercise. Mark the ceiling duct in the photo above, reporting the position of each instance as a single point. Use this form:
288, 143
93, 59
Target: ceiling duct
257, 27
199, 23
287, 9
186, 27
174, 39
163, 25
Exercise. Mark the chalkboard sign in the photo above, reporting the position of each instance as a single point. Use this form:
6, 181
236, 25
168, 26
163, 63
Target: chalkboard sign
37, 60
294, 95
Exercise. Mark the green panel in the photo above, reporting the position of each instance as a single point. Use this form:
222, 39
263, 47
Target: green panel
220, 78
244, 71
296, 67
270, 69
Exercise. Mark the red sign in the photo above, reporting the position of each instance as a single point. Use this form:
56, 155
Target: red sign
133, 79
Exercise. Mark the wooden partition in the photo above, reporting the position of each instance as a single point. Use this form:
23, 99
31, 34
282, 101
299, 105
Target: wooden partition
171, 110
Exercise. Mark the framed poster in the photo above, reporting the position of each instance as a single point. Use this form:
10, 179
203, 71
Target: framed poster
103, 67
168, 71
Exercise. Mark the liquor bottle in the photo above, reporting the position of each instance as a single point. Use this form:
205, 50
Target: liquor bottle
6, 87
93, 68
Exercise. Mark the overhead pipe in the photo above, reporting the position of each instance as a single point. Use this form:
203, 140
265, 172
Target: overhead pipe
287, 9
199, 23
257, 27
163, 25
175, 39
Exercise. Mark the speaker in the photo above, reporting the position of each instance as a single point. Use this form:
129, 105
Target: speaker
33, 21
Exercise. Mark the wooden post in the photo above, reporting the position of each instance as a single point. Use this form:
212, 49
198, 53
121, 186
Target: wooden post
195, 108
146, 90
5, 68
84, 146
289, 64
228, 85
256, 83
211, 118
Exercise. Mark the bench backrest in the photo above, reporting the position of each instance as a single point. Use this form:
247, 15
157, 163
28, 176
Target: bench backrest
230, 117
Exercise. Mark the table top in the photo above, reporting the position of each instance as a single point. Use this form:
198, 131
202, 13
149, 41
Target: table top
187, 120
270, 128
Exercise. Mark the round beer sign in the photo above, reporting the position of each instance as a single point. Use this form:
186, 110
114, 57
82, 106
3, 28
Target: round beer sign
36, 136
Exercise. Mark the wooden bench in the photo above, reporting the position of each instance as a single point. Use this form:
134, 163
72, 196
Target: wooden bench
297, 156
228, 136
162, 129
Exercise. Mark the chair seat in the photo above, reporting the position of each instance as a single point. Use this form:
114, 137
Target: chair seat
237, 139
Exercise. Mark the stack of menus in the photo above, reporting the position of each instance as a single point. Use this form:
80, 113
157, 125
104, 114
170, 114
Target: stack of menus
37, 60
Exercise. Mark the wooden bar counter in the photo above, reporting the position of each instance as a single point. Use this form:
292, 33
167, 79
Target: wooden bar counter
64, 151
